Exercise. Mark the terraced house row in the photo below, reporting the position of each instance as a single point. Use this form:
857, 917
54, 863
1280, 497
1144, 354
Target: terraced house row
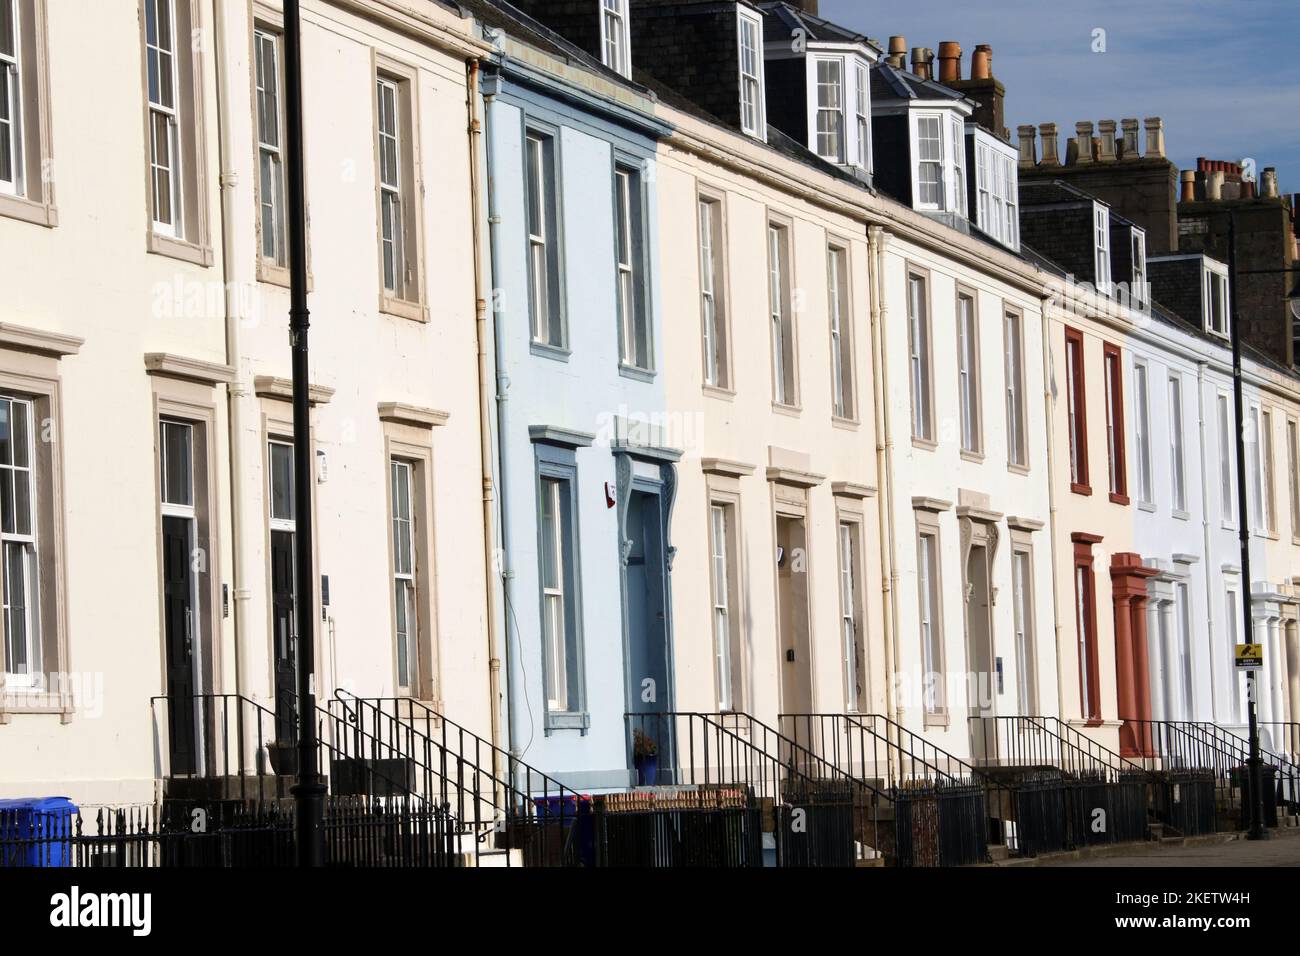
708, 403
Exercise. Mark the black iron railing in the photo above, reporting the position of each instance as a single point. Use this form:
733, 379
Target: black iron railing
820, 815
1049, 743
359, 831
1183, 745
502, 801
385, 749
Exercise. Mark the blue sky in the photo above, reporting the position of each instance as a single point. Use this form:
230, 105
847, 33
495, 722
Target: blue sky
1224, 74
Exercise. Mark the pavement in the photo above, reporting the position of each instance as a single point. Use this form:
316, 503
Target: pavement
1282, 849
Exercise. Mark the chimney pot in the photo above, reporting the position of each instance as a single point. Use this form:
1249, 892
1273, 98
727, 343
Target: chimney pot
1155, 128
1128, 146
898, 52
1214, 186
1083, 133
1106, 132
1051, 149
922, 57
1188, 179
981, 64
1028, 147
949, 61
1269, 183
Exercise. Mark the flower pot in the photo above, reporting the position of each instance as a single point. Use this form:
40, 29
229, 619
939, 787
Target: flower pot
647, 770
284, 759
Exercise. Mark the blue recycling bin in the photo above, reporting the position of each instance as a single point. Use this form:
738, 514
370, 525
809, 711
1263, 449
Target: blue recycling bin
572, 810
36, 831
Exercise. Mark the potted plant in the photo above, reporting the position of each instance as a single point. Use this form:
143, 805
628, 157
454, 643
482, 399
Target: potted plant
645, 756
283, 757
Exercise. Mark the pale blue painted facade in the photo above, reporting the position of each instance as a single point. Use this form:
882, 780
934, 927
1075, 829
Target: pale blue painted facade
561, 417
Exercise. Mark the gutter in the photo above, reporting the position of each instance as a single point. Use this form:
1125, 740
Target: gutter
482, 335
236, 391
501, 397
884, 467
1048, 408
1205, 528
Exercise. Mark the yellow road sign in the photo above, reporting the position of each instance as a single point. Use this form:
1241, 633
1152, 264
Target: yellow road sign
1249, 656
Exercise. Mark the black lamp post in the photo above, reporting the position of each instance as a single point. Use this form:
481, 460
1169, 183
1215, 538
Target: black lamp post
309, 790
1254, 765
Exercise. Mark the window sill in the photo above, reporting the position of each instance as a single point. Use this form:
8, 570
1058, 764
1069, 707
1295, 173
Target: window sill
848, 424
578, 720
1181, 515
278, 275
25, 210
1119, 499
193, 253
937, 719
1079, 489
1267, 535
925, 444
403, 308
972, 456
1016, 469
35, 702
635, 373
1147, 506
719, 392
794, 411
555, 353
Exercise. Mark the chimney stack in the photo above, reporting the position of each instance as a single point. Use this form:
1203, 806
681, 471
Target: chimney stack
1214, 186
1083, 132
1268, 185
949, 61
1028, 146
1051, 153
1155, 128
1188, 179
897, 57
1106, 130
1071, 151
922, 57
1129, 148
981, 63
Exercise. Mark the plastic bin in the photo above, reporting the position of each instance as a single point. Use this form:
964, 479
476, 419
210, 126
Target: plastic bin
36, 831
572, 810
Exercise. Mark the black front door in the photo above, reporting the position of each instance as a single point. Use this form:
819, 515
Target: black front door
178, 621
286, 645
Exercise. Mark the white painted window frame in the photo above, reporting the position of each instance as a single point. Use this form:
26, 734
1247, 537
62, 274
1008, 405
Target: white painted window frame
751, 83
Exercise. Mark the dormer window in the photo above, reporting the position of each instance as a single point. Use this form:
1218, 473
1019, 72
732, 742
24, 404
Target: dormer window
749, 34
1139, 292
830, 109
997, 189
940, 162
614, 37
1214, 298
1101, 246
862, 113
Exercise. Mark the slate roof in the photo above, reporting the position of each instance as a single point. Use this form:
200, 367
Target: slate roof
783, 20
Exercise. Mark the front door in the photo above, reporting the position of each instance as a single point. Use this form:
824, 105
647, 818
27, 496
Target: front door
648, 675
178, 623
981, 680
286, 645
792, 609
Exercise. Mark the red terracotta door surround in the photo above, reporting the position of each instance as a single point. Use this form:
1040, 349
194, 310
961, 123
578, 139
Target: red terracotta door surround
1128, 577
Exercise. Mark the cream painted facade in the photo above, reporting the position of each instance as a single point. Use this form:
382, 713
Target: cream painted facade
789, 475
979, 506
111, 328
